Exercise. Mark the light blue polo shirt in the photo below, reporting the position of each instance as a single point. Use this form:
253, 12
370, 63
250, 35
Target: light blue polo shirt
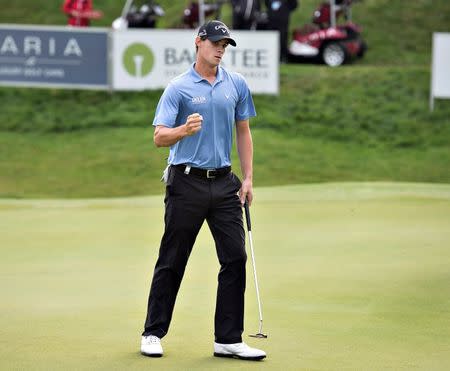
221, 104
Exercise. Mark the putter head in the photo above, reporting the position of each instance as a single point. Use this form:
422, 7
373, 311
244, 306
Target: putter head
259, 335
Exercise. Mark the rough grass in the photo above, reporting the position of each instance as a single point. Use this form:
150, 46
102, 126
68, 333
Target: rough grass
124, 162
366, 105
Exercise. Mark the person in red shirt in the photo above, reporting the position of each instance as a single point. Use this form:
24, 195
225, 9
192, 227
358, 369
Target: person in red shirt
80, 12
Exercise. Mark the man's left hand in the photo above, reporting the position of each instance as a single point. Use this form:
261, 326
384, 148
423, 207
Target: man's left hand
246, 192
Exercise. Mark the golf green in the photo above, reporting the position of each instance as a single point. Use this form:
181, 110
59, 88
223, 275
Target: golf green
353, 276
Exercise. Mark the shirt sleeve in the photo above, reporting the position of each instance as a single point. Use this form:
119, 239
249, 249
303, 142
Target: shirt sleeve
245, 107
168, 107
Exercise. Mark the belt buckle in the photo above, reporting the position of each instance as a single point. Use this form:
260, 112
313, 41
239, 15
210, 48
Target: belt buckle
208, 175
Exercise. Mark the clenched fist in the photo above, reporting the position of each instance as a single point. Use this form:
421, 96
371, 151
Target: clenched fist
193, 123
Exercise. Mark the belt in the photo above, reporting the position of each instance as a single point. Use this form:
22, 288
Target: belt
204, 173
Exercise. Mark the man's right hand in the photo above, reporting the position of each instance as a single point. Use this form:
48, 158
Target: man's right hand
166, 137
193, 123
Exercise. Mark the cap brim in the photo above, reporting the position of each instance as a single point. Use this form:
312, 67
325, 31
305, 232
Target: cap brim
220, 37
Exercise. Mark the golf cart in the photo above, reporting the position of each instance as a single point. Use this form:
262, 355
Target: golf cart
325, 40
138, 14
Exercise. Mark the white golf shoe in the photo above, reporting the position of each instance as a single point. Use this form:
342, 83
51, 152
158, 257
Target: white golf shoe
151, 346
238, 350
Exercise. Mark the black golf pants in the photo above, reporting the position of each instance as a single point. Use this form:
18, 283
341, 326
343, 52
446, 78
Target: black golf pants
190, 199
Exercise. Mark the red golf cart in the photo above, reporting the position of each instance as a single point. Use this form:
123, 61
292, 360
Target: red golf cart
326, 41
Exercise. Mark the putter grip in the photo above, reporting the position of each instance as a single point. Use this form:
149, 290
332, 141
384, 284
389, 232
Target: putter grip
247, 216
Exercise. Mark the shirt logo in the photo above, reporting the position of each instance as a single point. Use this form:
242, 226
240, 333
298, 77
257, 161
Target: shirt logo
227, 96
198, 100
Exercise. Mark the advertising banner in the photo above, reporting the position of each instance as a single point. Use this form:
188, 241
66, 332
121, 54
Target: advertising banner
440, 69
53, 56
149, 59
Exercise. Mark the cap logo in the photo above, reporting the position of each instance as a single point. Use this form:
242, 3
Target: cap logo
214, 31
222, 28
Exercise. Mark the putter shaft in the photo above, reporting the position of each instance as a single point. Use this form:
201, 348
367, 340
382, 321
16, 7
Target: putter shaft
250, 237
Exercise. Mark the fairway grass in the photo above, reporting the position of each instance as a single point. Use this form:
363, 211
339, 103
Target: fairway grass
353, 276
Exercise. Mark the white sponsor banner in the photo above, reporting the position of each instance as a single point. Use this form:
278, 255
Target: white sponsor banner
149, 59
440, 73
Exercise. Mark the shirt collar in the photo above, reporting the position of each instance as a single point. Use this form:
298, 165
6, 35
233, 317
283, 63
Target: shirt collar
197, 78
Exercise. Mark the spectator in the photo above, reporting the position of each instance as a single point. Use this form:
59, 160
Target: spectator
80, 12
278, 12
245, 14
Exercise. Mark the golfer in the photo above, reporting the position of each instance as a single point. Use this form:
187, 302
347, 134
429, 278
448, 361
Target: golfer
196, 117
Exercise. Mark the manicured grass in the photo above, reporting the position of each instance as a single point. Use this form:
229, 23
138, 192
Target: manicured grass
352, 276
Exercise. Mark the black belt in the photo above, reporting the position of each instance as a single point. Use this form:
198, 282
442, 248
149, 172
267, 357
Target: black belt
204, 173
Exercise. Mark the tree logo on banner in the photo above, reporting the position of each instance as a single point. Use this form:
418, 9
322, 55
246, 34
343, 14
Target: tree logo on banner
138, 60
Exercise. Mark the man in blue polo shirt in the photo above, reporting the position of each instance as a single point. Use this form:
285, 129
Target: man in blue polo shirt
196, 117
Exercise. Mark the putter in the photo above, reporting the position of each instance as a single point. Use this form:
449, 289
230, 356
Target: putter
260, 334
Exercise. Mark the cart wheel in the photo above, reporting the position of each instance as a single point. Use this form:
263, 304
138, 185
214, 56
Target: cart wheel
334, 54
